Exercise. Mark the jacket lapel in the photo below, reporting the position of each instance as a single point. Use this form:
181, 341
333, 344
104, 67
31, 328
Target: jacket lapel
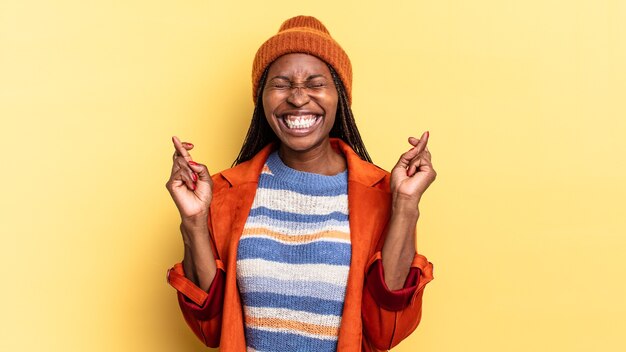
230, 212
368, 206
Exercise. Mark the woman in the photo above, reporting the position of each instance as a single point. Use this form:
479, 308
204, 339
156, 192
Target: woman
304, 244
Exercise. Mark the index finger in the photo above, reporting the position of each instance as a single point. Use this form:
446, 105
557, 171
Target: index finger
421, 144
180, 149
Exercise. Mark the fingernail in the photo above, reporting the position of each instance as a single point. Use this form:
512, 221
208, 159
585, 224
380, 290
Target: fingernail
191, 162
193, 187
195, 177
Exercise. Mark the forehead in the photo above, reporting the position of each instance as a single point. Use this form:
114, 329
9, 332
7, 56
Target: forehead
298, 65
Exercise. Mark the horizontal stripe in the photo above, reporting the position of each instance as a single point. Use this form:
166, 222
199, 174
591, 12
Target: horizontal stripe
277, 323
331, 321
297, 228
333, 274
308, 253
281, 340
305, 304
289, 201
296, 239
294, 332
315, 289
290, 241
270, 182
296, 217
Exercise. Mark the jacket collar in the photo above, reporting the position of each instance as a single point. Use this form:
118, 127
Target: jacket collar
249, 171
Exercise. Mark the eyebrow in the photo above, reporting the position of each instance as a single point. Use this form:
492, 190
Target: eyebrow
287, 78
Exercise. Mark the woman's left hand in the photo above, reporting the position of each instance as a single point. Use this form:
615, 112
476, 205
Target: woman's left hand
413, 173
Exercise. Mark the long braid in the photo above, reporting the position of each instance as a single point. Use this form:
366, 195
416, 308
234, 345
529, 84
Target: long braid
260, 133
345, 125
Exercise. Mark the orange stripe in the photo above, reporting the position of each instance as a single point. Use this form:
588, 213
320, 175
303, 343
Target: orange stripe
296, 238
293, 325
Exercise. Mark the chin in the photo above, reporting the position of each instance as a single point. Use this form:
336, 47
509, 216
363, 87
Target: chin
304, 143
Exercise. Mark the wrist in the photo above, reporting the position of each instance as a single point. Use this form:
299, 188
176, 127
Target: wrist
405, 206
195, 224
195, 235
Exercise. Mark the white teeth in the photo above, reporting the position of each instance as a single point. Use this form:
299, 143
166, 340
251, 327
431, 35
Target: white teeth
304, 121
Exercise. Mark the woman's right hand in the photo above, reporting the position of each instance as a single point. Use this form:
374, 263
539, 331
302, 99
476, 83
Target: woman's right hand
190, 184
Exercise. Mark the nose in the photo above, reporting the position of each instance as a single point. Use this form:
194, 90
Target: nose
298, 97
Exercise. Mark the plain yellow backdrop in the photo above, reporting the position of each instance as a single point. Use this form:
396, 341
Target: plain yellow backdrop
525, 102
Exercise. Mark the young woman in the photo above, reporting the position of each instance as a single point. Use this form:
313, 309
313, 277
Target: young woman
304, 245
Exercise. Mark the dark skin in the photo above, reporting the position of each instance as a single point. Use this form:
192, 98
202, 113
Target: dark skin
300, 103
300, 84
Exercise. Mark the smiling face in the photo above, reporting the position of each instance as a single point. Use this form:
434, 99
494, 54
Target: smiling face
300, 101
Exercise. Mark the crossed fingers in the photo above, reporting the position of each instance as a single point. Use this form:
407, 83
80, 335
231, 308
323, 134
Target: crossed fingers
182, 158
181, 152
416, 156
181, 148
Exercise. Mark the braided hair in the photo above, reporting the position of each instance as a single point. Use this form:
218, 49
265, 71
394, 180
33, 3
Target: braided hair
260, 133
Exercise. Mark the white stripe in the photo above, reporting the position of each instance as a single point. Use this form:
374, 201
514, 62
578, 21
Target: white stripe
296, 332
321, 239
333, 274
297, 228
332, 321
292, 202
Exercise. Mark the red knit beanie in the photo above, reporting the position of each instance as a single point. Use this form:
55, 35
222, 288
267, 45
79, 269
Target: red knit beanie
303, 34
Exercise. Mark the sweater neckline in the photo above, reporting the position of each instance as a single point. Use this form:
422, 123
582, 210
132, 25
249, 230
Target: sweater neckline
287, 174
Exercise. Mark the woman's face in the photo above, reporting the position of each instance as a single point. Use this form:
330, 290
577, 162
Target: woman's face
300, 101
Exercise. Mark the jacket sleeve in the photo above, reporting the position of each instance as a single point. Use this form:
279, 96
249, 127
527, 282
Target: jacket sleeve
201, 309
390, 316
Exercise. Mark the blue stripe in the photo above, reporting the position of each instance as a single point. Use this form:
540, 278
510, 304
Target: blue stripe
288, 226
305, 304
295, 217
315, 289
331, 253
271, 182
271, 341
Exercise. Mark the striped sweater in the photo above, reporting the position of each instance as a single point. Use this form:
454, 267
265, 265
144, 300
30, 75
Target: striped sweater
293, 260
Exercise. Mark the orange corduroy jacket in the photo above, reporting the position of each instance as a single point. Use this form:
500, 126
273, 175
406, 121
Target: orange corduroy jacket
374, 318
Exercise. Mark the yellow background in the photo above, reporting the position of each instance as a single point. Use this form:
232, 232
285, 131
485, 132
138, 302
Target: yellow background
525, 102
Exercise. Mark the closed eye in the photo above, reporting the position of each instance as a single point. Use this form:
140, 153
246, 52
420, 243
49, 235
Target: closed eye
279, 82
